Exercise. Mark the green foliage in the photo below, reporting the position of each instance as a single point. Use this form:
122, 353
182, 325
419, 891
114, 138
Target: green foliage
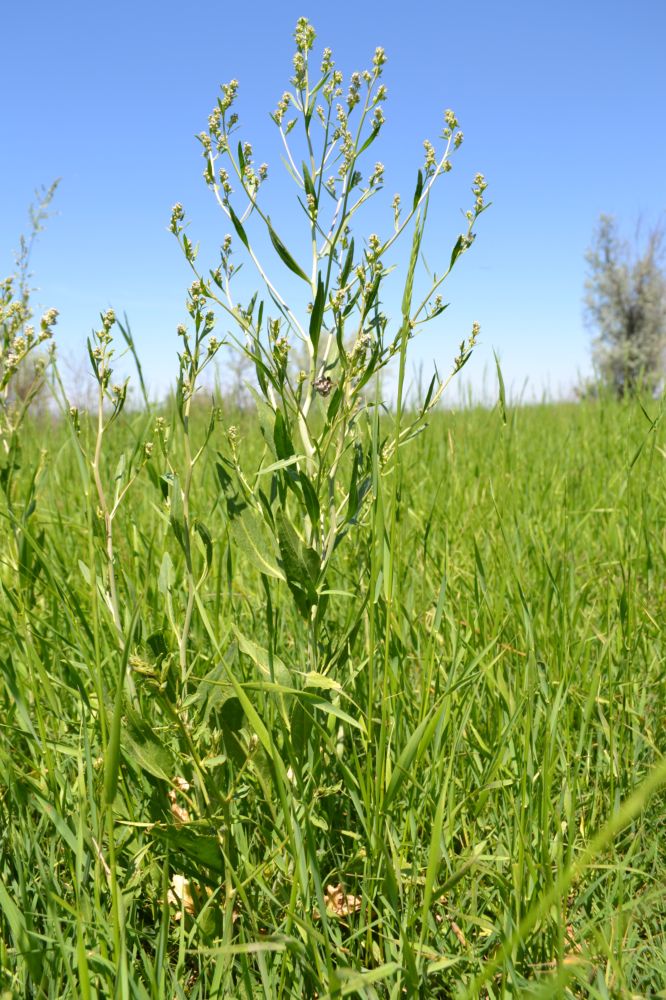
458, 770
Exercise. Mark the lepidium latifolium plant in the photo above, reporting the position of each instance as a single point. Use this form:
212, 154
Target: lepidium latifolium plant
319, 416
300, 695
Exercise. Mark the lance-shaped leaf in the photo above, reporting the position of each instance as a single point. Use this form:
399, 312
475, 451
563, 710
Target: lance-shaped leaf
251, 537
501, 390
419, 189
197, 849
347, 266
301, 568
310, 498
238, 226
368, 142
284, 447
317, 314
308, 183
284, 254
270, 666
457, 250
176, 510
206, 541
142, 746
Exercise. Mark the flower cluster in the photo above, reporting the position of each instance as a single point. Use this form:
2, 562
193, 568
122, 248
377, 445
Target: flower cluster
377, 175
478, 188
17, 336
177, 216
466, 348
305, 35
353, 94
282, 107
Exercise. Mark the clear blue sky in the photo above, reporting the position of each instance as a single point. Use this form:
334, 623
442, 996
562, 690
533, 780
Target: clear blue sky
562, 106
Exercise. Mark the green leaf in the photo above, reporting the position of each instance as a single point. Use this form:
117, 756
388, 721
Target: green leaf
238, 226
310, 498
143, 747
290, 547
297, 571
266, 416
334, 406
419, 189
323, 682
120, 467
412, 752
317, 314
502, 392
205, 536
283, 444
369, 368
312, 563
196, 848
307, 181
284, 254
30, 949
250, 536
165, 578
286, 463
368, 142
457, 250
300, 725
272, 667
428, 396
434, 858
176, 511
329, 708
351, 305
347, 266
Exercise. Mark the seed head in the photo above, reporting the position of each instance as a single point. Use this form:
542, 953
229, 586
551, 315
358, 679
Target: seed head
298, 79
377, 119
304, 35
378, 59
229, 91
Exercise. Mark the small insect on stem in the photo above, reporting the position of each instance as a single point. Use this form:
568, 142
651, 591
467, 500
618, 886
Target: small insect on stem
323, 385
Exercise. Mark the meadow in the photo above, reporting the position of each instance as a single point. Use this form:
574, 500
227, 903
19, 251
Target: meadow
453, 788
340, 694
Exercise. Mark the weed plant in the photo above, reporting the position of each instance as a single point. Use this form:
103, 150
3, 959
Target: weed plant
317, 705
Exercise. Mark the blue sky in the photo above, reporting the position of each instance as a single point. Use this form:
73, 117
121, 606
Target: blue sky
562, 106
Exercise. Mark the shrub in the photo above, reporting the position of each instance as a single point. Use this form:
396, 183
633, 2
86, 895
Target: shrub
625, 302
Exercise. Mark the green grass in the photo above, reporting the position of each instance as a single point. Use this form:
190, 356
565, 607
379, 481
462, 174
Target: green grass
479, 767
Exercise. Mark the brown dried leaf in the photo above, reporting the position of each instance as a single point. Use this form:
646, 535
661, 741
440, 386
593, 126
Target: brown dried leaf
180, 895
340, 904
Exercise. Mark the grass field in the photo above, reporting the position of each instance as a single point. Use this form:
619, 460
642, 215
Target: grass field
454, 789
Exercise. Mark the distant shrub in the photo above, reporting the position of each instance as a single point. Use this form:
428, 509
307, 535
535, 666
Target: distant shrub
625, 302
